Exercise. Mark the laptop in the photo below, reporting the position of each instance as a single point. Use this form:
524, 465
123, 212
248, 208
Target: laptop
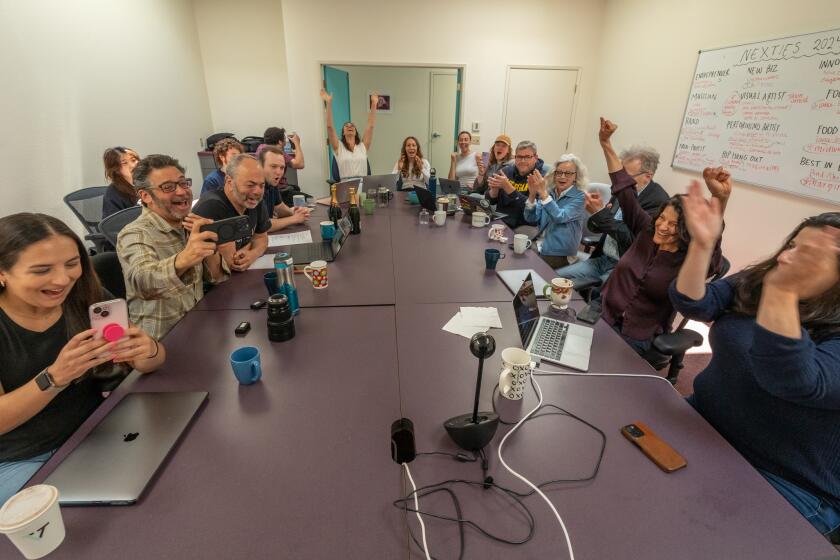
470, 204
118, 458
551, 340
513, 280
373, 182
305, 253
342, 191
448, 186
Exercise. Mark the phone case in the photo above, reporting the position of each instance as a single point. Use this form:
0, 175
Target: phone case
109, 318
665, 457
229, 229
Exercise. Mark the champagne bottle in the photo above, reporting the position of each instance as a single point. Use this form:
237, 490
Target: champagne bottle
355, 215
334, 212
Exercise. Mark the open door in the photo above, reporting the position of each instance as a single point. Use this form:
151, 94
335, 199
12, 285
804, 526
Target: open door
337, 82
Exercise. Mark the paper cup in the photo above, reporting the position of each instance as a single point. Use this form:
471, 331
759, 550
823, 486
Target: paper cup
32, 520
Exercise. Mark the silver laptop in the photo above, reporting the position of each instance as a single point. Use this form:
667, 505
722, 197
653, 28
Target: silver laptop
551, 340
342, 191
118, 458
513, 280
373, 182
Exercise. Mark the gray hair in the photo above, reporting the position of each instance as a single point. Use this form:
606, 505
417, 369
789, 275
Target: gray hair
647, 155
233, 165
526, 145
582, 177
145, 166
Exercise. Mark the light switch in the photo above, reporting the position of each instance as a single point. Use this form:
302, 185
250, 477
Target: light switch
476, 126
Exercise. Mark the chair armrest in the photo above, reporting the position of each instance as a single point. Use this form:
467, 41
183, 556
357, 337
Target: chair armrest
590, 241
586, 284
677, 342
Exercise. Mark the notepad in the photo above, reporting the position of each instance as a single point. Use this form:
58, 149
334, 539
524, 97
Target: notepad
296, 238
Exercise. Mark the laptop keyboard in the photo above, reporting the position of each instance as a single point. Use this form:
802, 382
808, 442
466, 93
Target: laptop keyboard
549, 339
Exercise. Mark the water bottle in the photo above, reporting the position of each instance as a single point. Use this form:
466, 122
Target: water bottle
284, 266
433, 182
424, 217
287, 147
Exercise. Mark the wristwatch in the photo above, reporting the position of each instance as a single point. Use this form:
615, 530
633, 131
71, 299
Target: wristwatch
45, 382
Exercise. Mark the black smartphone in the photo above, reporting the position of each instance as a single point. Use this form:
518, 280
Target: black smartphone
590, 314
242, 328
259, 304
229, 229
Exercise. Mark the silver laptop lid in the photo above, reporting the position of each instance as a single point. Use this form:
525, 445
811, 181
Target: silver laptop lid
373, 182
526, 310
116, 460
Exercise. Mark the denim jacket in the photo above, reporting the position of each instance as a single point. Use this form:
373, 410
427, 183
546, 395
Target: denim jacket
561, 220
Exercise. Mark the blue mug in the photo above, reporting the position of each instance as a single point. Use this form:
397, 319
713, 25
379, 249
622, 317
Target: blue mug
491, 257
245, 362
327, 230
270, 280
412, 197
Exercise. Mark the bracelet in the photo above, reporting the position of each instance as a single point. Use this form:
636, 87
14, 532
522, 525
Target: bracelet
157, 350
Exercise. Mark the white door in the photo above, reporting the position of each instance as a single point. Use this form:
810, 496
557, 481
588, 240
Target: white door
442, 102
539, 105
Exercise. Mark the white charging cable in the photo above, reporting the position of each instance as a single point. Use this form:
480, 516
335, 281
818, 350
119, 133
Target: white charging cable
549, 373
525, 480
417, 511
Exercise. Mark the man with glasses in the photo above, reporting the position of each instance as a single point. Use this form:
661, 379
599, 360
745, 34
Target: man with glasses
163, 265
242, 196
508, 189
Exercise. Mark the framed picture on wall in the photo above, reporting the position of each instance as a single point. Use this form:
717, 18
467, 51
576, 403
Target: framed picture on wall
384, 104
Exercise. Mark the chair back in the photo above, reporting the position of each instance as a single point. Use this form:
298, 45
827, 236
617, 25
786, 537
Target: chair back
108, 269
111, 226
86, 204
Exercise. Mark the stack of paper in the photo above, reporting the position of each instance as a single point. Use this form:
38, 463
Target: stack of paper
295, 238
471, 320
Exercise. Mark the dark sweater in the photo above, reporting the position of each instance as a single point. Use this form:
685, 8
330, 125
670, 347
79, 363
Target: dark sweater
215, 181
513, 204
775, 399
113, 201
603, 221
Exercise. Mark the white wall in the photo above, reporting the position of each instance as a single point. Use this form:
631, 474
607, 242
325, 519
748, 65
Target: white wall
484, 35
244, 60
82, 76
648, 54
410, 90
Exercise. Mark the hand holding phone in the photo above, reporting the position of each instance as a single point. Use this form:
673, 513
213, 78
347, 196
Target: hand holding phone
109, 318
665, 457
229, 229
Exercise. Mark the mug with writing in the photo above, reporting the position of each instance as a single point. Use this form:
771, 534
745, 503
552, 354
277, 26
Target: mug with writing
491, 257
327, 230
316, 271
521, 242
245, 362
497, 233
443, 203
516, 367
561, 292
439, 217
480, 219
32, 520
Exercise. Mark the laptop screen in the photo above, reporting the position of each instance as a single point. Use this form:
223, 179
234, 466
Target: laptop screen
344, 227
525, 309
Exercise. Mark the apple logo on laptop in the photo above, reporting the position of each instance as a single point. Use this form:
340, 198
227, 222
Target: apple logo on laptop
130, 436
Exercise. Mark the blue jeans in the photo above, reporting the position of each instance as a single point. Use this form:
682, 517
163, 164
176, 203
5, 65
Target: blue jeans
822, 515
14, 474
588, 270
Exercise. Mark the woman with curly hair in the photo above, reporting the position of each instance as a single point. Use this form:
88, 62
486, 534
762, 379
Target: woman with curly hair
412, 167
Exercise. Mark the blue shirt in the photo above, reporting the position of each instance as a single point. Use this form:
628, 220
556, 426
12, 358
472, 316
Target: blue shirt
775, 399
213, 182
561, 220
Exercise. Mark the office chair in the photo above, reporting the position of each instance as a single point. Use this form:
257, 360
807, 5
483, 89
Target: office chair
86, 205
335, 176
677, 342
111, 226
108, 269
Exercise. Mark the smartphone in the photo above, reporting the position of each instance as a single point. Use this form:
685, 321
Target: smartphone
590, 314
662, 454
242, 328
485, 159
229, 229
109, 318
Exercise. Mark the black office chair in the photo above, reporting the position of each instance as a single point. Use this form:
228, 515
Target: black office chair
335, 176
108, 269
111, 226
677, 342
86, 204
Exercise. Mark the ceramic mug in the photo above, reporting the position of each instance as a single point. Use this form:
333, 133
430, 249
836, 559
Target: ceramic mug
440, 217
480, 219
521, 242
516, 367
316, 271
245, 363
496, 232
561, 292
491, 257
327, 230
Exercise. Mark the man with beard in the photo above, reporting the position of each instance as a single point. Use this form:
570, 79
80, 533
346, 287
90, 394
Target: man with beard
163, 266
242, 196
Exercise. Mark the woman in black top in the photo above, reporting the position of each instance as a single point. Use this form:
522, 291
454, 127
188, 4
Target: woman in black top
119, 163
46, 344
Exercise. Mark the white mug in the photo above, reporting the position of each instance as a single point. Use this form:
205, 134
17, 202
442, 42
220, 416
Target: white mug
496, 232
521, 242
516, 367
439, 217
316, 271
480, 219
560, 292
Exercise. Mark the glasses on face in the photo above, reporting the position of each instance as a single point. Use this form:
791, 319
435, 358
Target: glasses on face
170, 186
565, 173
523, 158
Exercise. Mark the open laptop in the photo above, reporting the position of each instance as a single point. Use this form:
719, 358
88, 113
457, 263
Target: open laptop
448, 186
373, 182
342, 191
551, 340
305, 253
118, 458
470, 204
513, 278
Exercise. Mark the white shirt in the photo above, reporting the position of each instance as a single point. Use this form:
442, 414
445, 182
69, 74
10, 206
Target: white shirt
466, 169
412, 180
351, 164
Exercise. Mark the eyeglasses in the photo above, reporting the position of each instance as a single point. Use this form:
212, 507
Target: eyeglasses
523, 158
170, 186
565, 173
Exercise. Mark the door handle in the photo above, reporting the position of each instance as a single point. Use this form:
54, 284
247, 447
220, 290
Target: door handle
435, 135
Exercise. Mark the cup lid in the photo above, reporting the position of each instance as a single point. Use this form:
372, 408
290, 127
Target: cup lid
26, 505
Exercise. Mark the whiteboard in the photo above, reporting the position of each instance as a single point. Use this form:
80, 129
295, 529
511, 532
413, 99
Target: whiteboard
770, 113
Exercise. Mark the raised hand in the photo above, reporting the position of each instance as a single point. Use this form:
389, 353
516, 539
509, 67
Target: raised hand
703, 219
607, 129
326, 96
718, 181
536, 184
374, 101
453, 156
200, 245
499, 181
809, 267
593, 202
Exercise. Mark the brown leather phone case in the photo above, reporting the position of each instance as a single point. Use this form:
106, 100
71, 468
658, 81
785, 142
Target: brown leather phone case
665, 457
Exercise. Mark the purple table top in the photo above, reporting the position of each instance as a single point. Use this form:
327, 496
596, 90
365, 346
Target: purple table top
717, 507
294, 466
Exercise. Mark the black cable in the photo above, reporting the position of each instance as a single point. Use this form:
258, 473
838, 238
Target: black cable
457, 503
460, 456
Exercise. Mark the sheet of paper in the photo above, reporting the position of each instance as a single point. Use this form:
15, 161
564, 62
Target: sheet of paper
295, 238
456, 326
481, 316
265, 261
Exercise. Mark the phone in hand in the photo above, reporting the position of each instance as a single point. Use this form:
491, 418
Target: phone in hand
229, 229
485, 159
662, 454
109, 318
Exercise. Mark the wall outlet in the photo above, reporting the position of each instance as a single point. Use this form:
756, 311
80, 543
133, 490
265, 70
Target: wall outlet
476, 139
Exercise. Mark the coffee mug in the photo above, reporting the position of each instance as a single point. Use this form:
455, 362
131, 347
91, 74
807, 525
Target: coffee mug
521, 242
491, 257
316, 271
270, 280
327, 230
299, 200
561, 292
496, 232
245, 362
369, 204
440, 217
32, 520
516, 367
443, 203
480, 219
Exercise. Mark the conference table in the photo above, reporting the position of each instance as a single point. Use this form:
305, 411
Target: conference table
299, 464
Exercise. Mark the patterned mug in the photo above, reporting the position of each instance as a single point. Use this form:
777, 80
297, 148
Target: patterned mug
317, 274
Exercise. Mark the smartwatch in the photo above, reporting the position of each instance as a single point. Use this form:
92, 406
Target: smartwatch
45, 382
